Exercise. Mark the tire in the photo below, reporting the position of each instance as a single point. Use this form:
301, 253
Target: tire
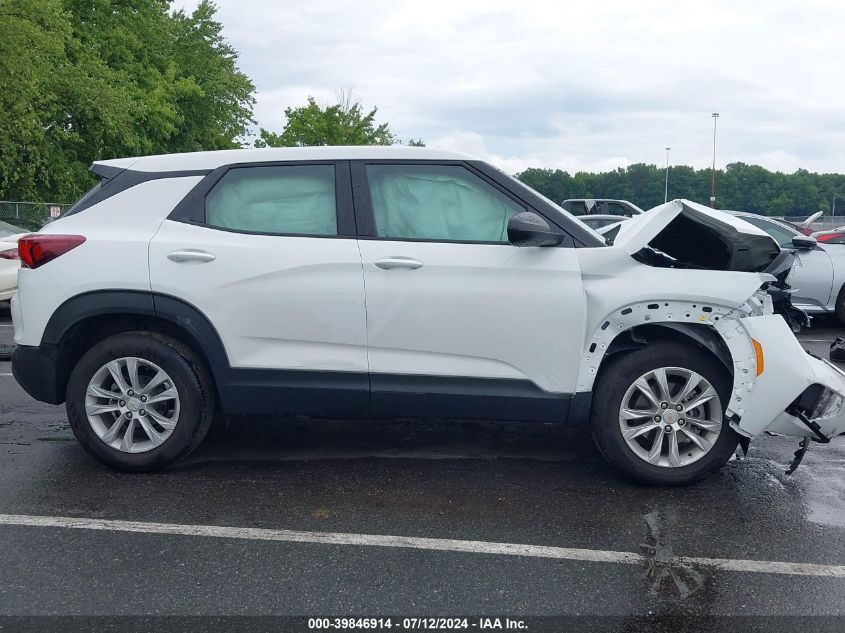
688, 464
178, 422
840, 306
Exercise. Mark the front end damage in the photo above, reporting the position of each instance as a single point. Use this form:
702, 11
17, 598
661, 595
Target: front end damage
737, 288
789, 391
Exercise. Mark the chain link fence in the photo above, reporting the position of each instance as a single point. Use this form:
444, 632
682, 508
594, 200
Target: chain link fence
30, 215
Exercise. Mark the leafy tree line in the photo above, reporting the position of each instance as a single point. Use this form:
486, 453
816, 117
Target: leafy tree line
738, 186
82, 80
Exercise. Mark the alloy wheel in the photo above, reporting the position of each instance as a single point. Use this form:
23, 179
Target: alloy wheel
132, 404
671, 417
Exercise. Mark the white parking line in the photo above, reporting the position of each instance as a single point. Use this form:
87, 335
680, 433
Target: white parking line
6, 373
412, 542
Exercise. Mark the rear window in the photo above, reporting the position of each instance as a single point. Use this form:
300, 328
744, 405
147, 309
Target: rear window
80, 204
575, 207
615, 208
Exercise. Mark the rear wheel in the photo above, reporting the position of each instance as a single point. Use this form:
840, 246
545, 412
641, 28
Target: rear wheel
658, 414
139, 401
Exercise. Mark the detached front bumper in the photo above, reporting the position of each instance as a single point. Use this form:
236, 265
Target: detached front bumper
790, 380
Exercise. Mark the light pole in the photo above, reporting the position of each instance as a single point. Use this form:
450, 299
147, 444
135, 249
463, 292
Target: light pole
666, 188
713, 168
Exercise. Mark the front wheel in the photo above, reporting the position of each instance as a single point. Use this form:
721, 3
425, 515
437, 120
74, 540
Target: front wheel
659, 414
839, 308
139, 401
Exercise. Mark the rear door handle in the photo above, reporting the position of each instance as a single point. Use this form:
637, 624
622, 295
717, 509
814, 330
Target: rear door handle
398, 262
190, 255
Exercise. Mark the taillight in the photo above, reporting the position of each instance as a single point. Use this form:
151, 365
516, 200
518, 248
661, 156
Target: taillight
36, 250
828, 237
11, 253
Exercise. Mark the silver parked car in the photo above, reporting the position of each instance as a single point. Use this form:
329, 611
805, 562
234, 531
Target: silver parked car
601, 206
818, 276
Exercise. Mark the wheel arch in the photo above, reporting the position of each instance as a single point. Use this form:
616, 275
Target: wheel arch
700, 336
714, 328
86, 319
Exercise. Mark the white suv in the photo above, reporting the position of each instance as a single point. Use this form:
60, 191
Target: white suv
393, 281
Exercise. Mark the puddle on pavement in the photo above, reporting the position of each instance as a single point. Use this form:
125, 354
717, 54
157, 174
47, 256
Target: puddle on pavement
819, 483
669, 580
825, 495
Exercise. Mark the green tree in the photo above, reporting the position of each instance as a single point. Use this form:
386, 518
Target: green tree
215, 115
82, 80
343, 123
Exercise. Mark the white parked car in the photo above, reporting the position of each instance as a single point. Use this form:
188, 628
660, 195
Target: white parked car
9, 260
398, 281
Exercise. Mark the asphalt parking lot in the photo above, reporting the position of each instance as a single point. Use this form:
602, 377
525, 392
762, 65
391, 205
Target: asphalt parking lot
603, 547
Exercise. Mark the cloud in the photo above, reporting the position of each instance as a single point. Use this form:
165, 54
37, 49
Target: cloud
575, 85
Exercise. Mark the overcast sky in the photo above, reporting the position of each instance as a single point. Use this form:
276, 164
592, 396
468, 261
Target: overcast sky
581, 85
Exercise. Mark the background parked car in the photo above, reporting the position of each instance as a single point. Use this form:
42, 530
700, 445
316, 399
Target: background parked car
832, 236
9, 259
818, 278
596, 222
601, 206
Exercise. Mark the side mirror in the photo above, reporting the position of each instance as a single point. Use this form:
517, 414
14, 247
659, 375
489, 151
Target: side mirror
804, 242
529, 229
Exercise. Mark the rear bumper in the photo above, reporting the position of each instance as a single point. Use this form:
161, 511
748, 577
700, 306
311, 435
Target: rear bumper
37, 370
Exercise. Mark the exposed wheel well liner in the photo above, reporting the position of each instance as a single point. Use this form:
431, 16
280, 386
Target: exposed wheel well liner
700, 336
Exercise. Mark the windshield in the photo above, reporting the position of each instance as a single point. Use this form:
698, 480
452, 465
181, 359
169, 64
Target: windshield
521, 185
782, 234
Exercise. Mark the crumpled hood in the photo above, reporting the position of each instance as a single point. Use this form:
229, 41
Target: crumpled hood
698, 237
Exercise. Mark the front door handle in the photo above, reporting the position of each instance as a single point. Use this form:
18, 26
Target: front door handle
398, 262
190, 255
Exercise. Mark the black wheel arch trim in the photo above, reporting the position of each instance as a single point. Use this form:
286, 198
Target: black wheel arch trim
146, 304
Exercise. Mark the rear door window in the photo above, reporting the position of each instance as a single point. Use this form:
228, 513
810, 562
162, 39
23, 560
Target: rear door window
278, 200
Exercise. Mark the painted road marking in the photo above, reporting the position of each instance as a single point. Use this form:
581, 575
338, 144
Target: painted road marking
6, 373
412, 542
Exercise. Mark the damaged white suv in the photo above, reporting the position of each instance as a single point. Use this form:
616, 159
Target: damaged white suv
394, 281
